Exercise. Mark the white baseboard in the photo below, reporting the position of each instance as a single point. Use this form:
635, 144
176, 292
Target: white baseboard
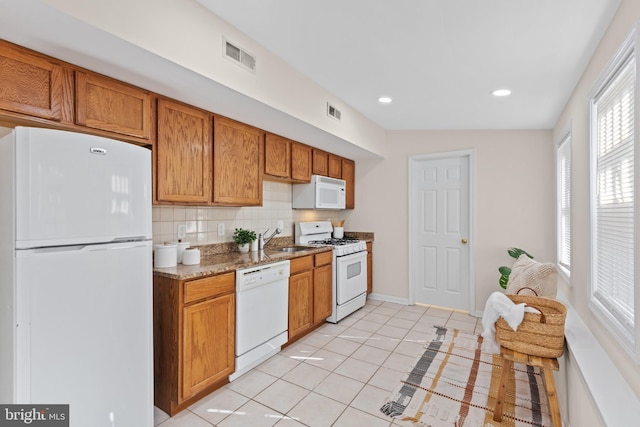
387, 298
405, 301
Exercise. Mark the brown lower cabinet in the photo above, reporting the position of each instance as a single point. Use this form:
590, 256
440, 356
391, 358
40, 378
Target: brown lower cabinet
300, 296
310, 293
194, 338
322, 287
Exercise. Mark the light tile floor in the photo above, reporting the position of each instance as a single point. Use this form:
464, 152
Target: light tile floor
338, 375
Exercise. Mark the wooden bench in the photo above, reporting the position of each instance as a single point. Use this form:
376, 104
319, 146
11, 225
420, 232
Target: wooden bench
547, 365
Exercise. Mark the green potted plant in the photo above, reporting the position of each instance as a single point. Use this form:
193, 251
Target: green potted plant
506, 271
243, 238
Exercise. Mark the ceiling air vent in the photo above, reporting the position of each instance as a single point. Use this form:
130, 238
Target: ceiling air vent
239, 56
333, 112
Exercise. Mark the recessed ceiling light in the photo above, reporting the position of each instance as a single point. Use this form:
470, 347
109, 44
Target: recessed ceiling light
501, 92
384, 100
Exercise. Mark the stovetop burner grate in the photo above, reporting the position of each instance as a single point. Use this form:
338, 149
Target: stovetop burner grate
335, 242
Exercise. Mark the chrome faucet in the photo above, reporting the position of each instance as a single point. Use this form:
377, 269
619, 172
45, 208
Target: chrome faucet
263, 241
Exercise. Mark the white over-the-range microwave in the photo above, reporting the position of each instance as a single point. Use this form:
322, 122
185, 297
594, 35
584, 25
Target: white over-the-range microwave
321, 193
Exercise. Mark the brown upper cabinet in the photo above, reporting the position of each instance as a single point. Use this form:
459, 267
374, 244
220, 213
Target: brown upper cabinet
300, 162
286, 160
183, 153
331, 165
320, 162
277, 157
349, 175
106, 104
237, 163
30, 84
195, 161
327, 164
335, 166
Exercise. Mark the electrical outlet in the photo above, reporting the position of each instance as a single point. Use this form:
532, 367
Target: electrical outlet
221, 229
182, 231
281, 224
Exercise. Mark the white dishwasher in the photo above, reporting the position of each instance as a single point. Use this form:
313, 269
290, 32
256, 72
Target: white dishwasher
262, 314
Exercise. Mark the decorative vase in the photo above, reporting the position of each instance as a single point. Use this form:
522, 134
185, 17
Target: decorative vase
243, 248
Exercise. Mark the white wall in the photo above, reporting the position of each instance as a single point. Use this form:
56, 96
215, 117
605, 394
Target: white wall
201, 222
514, 201
576, 113
189, 35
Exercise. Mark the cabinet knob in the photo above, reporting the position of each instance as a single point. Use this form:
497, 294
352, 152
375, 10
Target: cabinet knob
464, 241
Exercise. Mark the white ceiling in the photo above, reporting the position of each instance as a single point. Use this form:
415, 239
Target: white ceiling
438, 59
54, 31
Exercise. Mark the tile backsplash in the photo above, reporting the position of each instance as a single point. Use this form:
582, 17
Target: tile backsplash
201, 223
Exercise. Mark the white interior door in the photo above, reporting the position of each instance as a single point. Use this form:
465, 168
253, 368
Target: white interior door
439, 211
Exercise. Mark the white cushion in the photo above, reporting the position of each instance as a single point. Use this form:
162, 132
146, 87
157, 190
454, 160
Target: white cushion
528, 273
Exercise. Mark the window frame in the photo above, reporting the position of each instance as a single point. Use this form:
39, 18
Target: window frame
628, 335
564, 267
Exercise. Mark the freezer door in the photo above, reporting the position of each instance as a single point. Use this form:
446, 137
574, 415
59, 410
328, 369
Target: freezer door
75, 188
85, 332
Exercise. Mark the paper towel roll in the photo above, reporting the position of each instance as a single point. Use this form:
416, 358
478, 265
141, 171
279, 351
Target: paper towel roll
166, 255
338, 232
191, 256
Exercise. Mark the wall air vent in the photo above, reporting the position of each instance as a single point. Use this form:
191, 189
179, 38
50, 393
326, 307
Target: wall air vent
333, 112
239, 56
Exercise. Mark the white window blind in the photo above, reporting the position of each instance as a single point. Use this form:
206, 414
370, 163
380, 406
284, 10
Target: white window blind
613, 198
564, 203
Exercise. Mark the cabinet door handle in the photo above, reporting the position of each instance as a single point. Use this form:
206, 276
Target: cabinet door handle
464, 241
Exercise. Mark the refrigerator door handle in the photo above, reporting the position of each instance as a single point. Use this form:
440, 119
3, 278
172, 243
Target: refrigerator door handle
70, 248
96, 247
129, 239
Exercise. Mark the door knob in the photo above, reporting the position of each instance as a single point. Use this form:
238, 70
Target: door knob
464, 241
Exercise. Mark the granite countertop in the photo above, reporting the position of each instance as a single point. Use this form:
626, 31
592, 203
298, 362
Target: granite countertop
362, 235
223, 258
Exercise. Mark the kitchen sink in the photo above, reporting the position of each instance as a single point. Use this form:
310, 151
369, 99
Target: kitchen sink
293, 248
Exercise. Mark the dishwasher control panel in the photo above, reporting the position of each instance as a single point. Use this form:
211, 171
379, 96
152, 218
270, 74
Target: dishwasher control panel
248, 278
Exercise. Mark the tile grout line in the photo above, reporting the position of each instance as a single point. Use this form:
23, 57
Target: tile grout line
391, 316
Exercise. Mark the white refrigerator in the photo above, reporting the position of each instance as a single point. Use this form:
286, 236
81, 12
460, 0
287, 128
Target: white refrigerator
76, 276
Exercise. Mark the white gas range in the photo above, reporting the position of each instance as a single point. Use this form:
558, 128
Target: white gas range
349, 266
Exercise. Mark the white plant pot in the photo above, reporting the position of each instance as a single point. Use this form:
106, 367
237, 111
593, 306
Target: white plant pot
243, 248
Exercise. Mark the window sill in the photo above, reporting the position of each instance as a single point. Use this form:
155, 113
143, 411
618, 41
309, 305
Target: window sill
614, 399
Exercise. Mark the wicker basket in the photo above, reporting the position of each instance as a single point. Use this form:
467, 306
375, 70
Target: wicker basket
539, 334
